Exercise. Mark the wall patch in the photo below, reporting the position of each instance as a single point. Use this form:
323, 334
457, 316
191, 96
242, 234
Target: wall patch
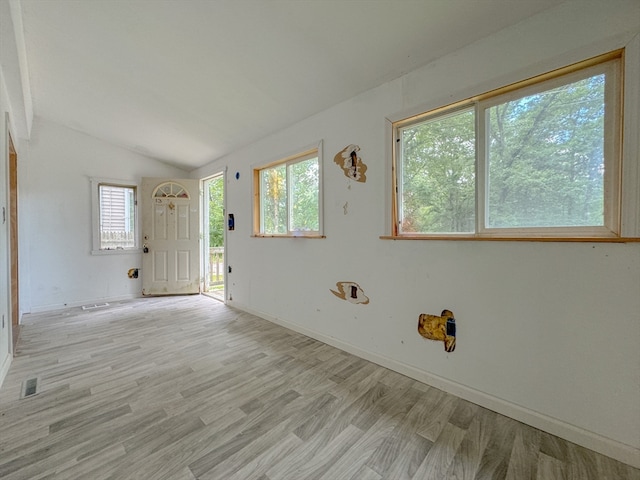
441, 328
351, 292
351, 164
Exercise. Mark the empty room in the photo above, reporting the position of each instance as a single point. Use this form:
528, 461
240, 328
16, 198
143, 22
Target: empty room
320, 239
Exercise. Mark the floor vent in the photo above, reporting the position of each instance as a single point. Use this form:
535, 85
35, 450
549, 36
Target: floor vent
95, 305
29, 388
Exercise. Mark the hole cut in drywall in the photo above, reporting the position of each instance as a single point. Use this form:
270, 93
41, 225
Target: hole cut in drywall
440, 328
351, 164
351, 292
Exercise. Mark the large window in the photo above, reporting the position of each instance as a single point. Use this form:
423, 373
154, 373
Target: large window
288, 196
536, 159
114, 216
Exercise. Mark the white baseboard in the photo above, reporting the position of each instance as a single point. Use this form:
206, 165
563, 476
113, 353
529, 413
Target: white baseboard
62, 306
4, 367
606, 446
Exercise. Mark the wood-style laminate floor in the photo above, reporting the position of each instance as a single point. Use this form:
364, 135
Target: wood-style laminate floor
186, 388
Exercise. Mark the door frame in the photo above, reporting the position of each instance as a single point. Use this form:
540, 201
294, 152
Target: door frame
14, 309
204, 228
170, 203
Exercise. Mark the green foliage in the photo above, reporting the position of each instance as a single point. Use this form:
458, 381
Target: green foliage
304, 195
216, 212
545, 161
303, 202
273, 199
546, 158
438, 175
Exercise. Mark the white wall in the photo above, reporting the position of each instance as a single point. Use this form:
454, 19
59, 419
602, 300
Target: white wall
13, 117
547, 332
56, 264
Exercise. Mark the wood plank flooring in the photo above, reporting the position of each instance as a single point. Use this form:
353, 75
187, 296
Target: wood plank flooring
186, 388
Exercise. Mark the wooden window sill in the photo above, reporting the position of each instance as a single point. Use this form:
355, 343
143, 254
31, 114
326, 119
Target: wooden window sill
512, 239
290, 236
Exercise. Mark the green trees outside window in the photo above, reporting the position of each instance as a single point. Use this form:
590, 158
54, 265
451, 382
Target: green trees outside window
289, 197
546, 158
216, 212
438, 174
540, 157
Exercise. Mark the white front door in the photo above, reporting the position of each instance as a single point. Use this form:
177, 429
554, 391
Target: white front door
170, 236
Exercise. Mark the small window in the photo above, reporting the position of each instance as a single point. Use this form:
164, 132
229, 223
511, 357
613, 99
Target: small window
288, 196
115, 220
535, 159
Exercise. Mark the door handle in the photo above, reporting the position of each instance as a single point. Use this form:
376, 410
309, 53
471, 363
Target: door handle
145, 249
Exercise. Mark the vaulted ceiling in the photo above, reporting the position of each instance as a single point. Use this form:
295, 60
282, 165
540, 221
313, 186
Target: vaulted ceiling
187, 81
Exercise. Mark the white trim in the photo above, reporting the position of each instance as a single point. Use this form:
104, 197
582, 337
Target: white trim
630, 196
204, 243
606, 446
4, 368
61, 306
204, 227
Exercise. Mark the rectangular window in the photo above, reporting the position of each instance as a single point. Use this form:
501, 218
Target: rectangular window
117, 217
536, 159
438, 174
114, 216
288, 196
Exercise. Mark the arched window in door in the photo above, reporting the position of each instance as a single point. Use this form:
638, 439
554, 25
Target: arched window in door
170, 190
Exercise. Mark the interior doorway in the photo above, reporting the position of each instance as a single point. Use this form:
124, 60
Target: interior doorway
214, 237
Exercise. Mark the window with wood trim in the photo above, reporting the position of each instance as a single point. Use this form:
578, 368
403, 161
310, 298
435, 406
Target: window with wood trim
288, 196
540, 158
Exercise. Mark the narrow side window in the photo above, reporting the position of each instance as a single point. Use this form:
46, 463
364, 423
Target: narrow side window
114, 216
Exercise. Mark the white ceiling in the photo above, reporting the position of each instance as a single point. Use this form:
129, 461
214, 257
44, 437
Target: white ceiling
187, 81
